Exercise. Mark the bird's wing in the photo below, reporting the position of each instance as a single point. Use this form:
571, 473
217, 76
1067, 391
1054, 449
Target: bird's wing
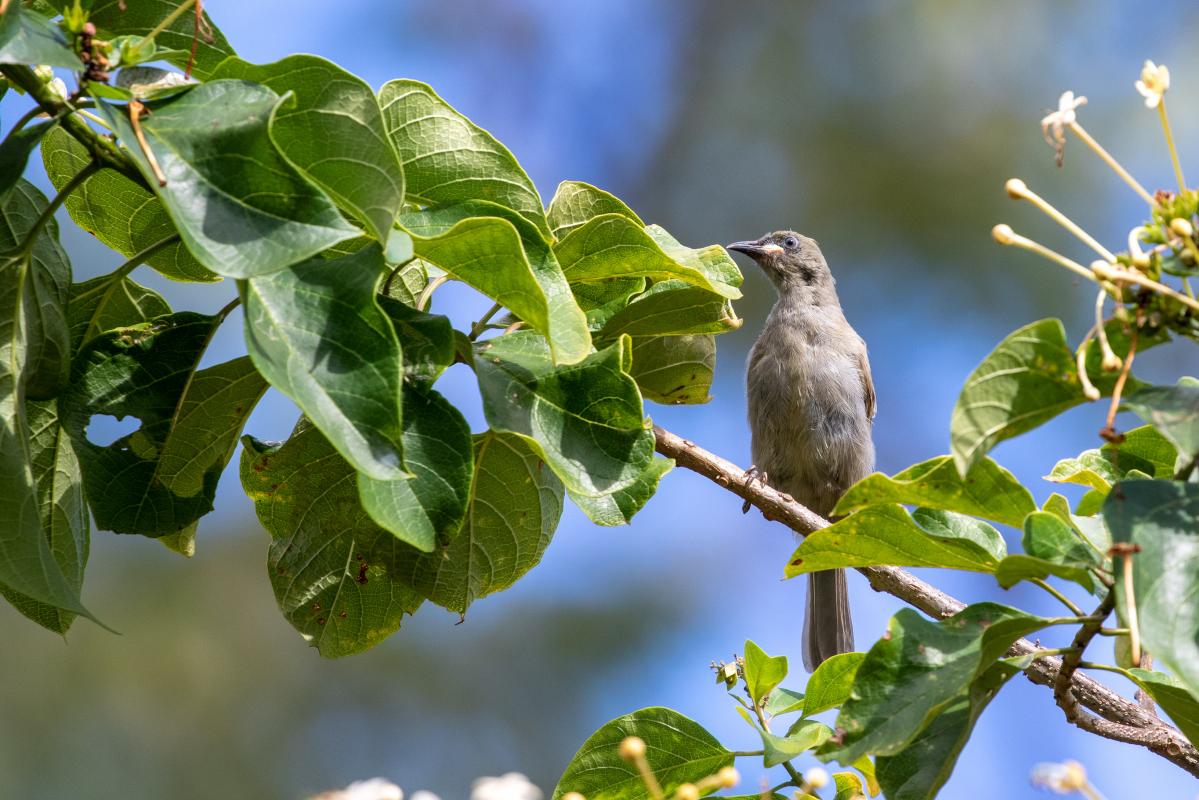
867, 384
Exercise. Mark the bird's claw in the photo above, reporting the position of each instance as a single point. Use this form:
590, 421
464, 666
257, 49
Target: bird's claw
753, 475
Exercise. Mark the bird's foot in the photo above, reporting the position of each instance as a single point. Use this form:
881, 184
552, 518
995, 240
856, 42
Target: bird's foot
753, 475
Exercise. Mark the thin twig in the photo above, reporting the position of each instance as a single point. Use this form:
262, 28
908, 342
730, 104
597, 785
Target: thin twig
1064, 600
1118, 718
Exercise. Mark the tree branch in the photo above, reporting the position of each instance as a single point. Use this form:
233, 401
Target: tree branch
102, 149
1118, 718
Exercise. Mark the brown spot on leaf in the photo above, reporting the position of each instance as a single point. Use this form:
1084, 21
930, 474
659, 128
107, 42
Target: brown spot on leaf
362, 573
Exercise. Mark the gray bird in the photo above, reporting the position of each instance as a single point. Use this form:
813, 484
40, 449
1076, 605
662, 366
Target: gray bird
811, 411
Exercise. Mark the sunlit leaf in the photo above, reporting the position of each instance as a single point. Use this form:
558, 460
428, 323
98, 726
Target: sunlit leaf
831, 683
1051, 547
673, 308
618, 508
1174, 698
575, 202
1143, 449
762, 672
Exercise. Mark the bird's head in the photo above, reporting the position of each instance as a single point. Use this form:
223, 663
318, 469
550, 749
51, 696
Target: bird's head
791, 260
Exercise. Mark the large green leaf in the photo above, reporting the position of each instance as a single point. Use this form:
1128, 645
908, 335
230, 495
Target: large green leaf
614, 246
426, 339
448, 159
1172, 410
919, 669
576, 202
115, 17
62, 511
678, 750
987, 491
762, 672
1143, 449
162, 477
1028, 379
1173, 697
27, 561
504, 256
26, 37
332, 131
674, 370
1051, 547
804, 735
515, 504
316, 332
107, 302
830, 685
119, 212
15, 150
886, 535
38, 284
919, 770
673, 308
585, 419
431, 505
332, 568
240, 207
618, 508
1159, 517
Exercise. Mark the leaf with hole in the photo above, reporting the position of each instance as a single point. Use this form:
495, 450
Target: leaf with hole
241, 209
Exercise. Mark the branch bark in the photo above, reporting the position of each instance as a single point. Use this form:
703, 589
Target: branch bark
1118, 718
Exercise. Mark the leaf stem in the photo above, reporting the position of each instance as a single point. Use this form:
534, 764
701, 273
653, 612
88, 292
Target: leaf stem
761, 715
228, 308
1044, 584
118, 275
747, 753
26, 118
477, 328
74, 183
1105, 668
170, 19
426, 295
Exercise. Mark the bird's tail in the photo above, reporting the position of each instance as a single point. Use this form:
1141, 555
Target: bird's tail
827, 625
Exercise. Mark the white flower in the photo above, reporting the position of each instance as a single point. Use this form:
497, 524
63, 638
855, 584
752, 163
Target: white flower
58, 88
1064, 778
1065, 115
815, 778
374, 789
1153, 84
512, 786
424, 795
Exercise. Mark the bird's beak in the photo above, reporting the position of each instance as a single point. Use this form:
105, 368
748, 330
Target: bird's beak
754, 250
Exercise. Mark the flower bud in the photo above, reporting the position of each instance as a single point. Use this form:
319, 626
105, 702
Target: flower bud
44, 73
815, 778
573, 796
1182, 227
728, 777
688, 791
1016, 189
1003, 234
632, 748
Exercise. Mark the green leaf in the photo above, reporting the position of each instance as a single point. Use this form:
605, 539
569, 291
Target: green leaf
504, 256
1089, 529
1159, 516
62, 511
804, 735
919, 669
316, 332
987, 491
762, 672
426, 339
515, 505
26, 37
1051, 547
431, 505
674, 370
333, 570
783, 701
887, 535
332, 131
119, 212
240, 207
1143, 449
162, 477
37, 287
673, 308
576, 202
919, 770
107, 302
1172, 410
406, 282
613, 246
865, 766
849, 786
618, 508
678, 750
115, 17
830, 685
585, 420
1173, 697
1027, 380
448, 159
15, 150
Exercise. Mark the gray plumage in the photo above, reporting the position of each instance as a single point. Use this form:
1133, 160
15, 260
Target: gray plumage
811, 406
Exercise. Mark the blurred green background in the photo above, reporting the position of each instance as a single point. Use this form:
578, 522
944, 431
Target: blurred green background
883, 129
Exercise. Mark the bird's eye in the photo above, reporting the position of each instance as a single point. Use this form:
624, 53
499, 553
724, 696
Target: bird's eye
790, 243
